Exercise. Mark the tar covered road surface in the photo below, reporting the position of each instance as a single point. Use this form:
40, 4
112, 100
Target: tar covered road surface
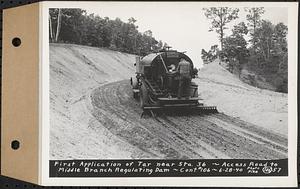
180, 137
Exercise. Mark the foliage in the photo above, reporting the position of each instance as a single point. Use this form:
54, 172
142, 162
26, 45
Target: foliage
254, 20
235, 47
211, 55
204, 56
220, 17
271, 54
75, 26
266, 56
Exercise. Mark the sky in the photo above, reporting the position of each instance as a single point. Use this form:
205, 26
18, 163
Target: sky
182, 25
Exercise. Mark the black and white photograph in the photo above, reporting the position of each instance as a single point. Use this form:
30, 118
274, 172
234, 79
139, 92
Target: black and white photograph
169, 81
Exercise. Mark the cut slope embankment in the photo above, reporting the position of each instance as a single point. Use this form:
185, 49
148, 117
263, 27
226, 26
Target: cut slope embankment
264, 108
75, 71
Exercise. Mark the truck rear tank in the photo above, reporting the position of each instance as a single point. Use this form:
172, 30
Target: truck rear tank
156, 84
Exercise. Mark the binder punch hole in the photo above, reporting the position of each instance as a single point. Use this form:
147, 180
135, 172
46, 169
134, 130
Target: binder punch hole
15, 144
16, 41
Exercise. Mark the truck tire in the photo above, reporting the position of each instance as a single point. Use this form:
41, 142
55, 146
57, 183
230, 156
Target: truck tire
134, 82
135, 95
144, 99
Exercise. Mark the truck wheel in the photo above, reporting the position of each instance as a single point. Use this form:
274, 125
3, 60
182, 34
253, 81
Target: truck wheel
143, 96
135, 95
134, 82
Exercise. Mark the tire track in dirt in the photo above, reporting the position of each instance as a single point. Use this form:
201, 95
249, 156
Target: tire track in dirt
182, 137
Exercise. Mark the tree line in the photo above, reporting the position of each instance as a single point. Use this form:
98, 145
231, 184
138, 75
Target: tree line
77, 27
265, 54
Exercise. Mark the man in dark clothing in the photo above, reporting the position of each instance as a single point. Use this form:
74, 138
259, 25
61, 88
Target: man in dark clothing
185, 70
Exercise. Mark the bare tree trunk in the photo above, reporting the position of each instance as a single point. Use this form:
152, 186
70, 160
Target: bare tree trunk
221, 36
221, 27
254, 36
264, 53
268, 52
50, 29
58, 25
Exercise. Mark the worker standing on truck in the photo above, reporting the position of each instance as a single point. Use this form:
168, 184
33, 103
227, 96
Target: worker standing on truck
184, 69
172, 72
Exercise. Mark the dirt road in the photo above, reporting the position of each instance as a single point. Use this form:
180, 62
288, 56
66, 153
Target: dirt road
93, 114
179, 137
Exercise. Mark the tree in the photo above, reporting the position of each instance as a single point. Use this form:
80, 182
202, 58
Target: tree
220, 17
211, 55
214, 50
58, 25
132, 20
279, 38
235, 48
254, 19
51, 34
149, 43
204, 56
132, 33
272, 38
240, 29
53, 18
269, 60
264, 39
75, 26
